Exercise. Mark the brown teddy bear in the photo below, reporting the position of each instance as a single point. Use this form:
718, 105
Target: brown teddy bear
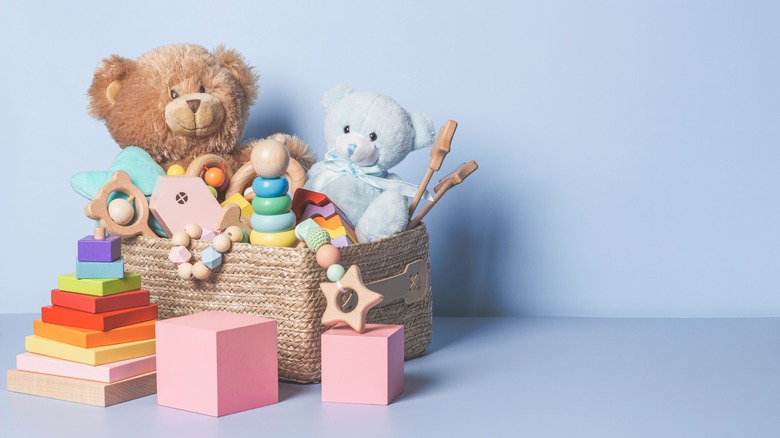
180, 101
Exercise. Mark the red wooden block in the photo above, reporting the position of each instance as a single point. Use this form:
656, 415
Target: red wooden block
92, 304
302, 198
98, 321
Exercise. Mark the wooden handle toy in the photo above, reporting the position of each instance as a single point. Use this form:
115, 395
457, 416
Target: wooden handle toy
441, 147
231, 216
448, 182
245, 175
98, 208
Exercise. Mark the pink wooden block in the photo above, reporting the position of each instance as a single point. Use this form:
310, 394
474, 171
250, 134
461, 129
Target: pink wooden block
367, 368
110, 372
217, 363
181, 200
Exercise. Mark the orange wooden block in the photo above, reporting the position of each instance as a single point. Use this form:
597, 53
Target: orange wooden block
334, 223
98, 321
93, 304
87, 338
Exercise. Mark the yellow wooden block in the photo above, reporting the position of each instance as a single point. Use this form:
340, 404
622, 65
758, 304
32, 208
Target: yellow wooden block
89, 356
82, 391
243, 204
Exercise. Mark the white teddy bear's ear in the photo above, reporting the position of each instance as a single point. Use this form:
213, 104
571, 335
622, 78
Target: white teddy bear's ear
424, 133
335, 94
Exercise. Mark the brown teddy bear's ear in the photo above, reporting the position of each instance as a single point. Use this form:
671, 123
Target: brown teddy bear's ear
240, 70
106, 84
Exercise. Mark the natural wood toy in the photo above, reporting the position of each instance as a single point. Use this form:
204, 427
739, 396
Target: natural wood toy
349, 300
448, 182
230, 216
268, 159
213, 170
97, 209
82, 391
211, 257
441, 147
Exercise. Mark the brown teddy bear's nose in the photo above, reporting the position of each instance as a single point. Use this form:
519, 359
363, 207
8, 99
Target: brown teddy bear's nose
194, 104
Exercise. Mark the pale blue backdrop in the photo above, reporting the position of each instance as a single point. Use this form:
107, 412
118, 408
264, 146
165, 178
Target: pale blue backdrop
628, 151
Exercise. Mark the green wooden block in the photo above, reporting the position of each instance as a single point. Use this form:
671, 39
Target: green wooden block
99, 287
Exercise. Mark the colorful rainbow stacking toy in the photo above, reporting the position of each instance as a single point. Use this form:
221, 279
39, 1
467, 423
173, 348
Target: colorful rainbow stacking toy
96, 343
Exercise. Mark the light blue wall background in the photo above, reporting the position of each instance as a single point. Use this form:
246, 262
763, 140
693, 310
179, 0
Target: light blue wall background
628, 150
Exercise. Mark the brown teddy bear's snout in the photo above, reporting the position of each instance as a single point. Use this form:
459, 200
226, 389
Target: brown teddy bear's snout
194, 115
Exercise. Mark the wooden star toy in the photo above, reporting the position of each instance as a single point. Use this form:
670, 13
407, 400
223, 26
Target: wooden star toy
349, 300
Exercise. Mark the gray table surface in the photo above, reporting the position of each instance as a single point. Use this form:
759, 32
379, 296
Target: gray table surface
530, 377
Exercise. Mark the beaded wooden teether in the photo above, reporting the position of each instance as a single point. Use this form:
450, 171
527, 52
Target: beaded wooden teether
211, 257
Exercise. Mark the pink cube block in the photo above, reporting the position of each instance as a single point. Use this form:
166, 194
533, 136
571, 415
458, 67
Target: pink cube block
217, 363
367, 368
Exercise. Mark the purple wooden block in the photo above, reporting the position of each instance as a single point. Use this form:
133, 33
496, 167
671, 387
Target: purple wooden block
340, 241
325, 211
106, 250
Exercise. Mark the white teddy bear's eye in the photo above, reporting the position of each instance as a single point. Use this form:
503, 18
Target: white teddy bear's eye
174, 94
372, 136
202, 89
346, 129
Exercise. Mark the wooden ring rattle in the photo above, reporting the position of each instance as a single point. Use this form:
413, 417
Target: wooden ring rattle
97, 209
246, 174
208, 160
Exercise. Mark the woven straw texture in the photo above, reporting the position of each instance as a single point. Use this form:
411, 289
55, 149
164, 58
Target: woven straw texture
283, 284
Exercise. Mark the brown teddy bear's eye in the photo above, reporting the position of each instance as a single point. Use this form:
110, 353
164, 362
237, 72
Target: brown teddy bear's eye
202, 89
346, 129
174, 94
372, 136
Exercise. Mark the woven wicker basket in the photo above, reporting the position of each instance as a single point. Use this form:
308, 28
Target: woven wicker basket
283, 284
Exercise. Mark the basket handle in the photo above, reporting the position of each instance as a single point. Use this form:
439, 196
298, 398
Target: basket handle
410, 285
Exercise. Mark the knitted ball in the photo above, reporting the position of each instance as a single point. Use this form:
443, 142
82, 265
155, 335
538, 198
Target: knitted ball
316, 237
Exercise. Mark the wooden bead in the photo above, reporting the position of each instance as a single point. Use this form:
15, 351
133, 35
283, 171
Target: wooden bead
214, 177
234, 233
181, 238
328, 255
270, 158
193, 230
222, 243
200, 271
121, 211
185, 271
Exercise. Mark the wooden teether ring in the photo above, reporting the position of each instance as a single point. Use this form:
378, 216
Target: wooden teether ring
208, 160
246, 174
98, 208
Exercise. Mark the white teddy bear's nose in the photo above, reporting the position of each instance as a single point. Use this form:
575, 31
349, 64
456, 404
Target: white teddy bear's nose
357, 149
